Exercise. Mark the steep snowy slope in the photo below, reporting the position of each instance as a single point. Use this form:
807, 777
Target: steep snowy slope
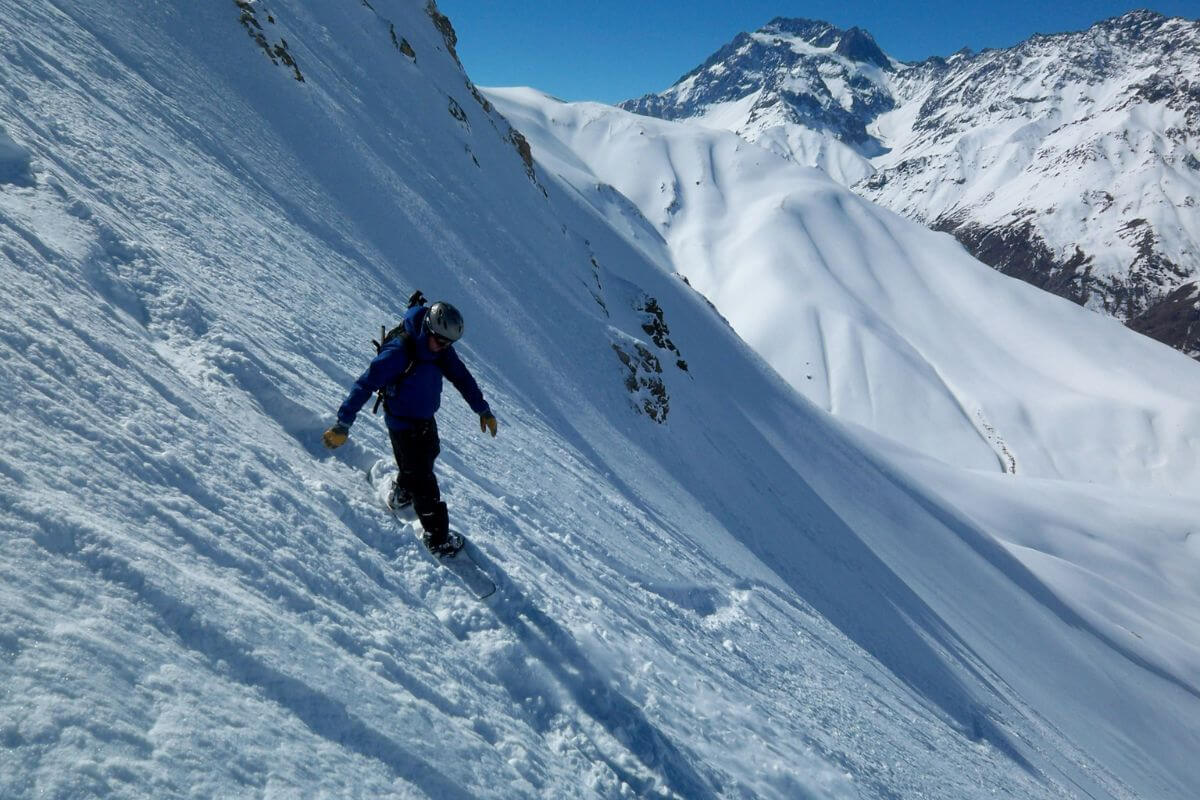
1070, 161
206, 210
896, 329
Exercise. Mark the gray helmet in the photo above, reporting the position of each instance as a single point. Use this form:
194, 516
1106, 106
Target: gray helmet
444, 320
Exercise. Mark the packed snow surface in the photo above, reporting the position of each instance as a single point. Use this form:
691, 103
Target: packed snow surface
210, 209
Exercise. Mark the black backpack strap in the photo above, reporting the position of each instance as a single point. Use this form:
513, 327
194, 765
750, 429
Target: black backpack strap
410, 349
385, 336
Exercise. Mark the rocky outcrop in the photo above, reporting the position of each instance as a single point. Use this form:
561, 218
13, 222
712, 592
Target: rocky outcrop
643, 379
442, 23
655, 325
277, 51
1175, 319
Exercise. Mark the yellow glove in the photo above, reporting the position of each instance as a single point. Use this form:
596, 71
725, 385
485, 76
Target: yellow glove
336, 436
487, 422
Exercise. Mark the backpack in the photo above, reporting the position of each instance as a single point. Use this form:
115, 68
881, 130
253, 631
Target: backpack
398, 332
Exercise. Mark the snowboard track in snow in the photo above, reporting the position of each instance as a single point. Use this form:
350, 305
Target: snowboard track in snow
551, 645
557, 650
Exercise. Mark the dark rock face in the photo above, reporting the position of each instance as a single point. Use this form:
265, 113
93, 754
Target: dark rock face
1174, 320
858, 45
1019, 252
1138, 298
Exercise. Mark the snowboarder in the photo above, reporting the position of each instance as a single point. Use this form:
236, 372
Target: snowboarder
409, 369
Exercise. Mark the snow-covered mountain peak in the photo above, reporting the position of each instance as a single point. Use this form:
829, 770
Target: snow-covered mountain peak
814, 31
804, 88
853, 44
1135, 24
1071, 160
804, 71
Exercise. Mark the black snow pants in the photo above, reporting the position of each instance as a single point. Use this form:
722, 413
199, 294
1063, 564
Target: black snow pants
416, 448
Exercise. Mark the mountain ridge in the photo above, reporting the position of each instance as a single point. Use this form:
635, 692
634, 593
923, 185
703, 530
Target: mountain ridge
1018, 152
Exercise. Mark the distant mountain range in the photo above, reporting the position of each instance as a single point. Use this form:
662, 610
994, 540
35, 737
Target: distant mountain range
1071, 161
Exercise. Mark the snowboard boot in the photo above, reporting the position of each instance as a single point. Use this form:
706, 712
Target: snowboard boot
400, 497
447, 547
438, 538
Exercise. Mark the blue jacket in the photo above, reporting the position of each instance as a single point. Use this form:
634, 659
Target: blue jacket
419, 394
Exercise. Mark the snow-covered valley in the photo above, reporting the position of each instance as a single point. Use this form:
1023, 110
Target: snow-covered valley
710, 586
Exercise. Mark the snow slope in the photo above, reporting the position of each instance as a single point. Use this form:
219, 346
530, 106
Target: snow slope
863, 311
896, 329
744, 600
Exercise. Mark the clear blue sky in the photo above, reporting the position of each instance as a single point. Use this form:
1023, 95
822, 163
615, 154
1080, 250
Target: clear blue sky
612, 50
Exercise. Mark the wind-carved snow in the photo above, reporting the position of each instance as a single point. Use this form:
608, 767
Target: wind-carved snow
748, 600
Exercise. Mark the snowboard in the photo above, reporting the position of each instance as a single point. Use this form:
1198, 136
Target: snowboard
462, 564
467, 570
